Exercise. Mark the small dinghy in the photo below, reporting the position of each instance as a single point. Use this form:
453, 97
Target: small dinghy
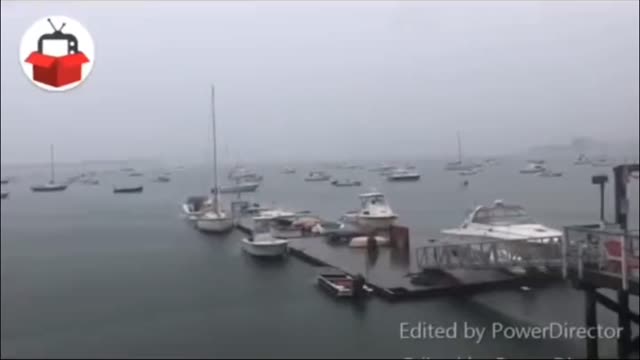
90, 182
162, 179
128, 190
265, 246
346, 183
341, 285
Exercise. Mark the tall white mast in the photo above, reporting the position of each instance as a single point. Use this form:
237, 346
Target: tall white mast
216, 198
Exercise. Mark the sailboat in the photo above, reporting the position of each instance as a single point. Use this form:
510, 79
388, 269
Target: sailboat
214, 220
51, 186
460, 165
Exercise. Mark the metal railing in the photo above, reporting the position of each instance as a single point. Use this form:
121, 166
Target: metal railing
608, 251
490, 253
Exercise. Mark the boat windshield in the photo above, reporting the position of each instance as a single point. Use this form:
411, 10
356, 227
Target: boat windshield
374, 200
502, 215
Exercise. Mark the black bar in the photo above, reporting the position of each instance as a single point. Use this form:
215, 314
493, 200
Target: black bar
616, 307
625, 324
591, 322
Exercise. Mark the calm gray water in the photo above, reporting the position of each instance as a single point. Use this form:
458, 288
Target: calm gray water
89, 273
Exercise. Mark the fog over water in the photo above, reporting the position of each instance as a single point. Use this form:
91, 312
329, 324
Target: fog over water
327, 80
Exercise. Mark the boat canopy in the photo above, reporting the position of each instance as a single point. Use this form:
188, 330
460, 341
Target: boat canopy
501, 214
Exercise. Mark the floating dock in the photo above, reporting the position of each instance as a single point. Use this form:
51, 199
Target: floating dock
394, 276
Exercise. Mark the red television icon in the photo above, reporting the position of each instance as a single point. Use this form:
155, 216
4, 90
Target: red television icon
57, 71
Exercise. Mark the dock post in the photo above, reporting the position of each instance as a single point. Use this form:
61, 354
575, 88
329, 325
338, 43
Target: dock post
591, 321
624, 323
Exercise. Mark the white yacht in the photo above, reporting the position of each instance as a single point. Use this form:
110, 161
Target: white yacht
214, 219
374, 212
318, 176
503, 222
533, 168
265, 246
263, 219
582, 160
403, 175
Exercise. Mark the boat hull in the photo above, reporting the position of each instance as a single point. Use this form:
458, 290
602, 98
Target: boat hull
217, 226
136, 190
266, 249
375, 222
234, 189
404, 178
56, 188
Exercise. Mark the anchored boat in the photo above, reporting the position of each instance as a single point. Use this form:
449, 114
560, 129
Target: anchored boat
265, 246
51, 186
533, 168
214, 219
317, 176
374, 212
128, 190
403, 175
346, 183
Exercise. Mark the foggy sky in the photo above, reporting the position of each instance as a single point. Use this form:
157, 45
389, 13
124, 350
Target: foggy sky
324, 80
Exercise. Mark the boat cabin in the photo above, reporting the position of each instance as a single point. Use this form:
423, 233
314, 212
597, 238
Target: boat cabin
376, 199
499, 214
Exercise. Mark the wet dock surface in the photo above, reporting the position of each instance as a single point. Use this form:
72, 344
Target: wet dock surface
390, 271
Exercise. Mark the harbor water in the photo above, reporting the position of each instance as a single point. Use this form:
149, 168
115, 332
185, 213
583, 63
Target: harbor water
89, 273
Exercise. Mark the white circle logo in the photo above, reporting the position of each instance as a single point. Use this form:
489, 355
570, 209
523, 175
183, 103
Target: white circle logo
57, 53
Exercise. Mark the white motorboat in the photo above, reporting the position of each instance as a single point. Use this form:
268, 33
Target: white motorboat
214, 220
582, 160
518, 235
550, 174
240, 187
374, 212
532, 168
346, 183
262, 220
363, 241
318, 176
403, 175
504, 222
383, 168
265, 246
51, 186
470, 172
